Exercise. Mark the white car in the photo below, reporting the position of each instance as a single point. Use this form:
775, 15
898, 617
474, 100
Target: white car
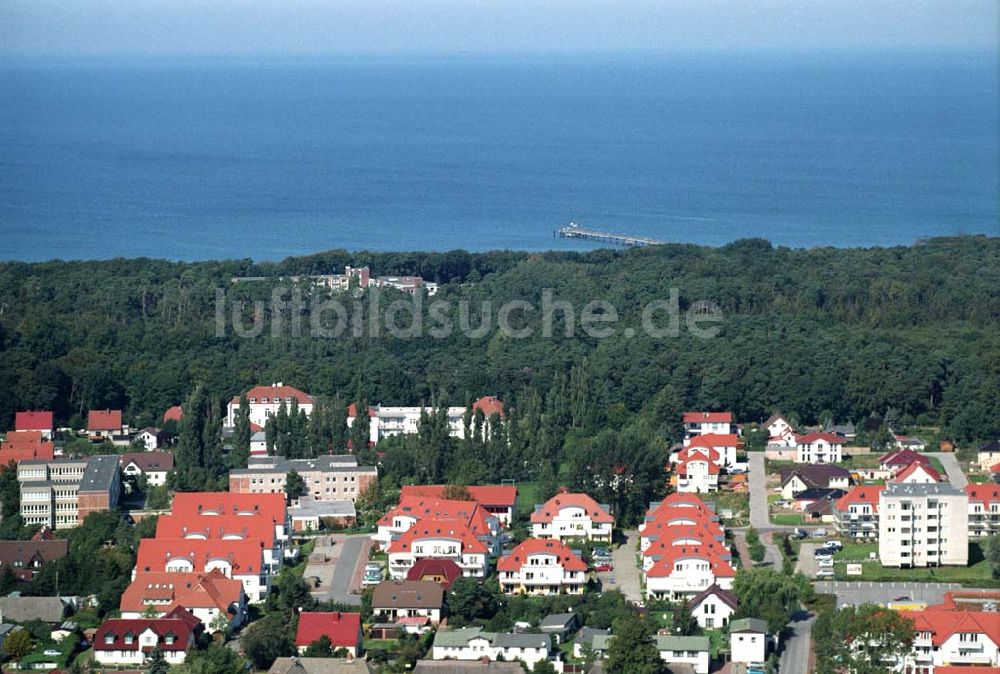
825, 573
826, 562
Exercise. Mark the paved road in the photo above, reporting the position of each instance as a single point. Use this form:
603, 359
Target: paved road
806, 563
795, 653
861, 592
349, 555
625, 577
956, 477
759, 517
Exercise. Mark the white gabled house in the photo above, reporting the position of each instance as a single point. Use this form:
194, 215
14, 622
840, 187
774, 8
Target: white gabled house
439, 539
542, 567
472, 643
568, 516
819, 447
713, 608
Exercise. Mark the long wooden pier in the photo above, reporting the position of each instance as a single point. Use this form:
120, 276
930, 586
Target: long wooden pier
575, 231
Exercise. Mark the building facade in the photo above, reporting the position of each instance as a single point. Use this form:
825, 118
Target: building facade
923, 525
330, 477
61, 493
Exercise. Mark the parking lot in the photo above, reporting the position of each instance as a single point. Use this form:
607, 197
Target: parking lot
338, 562
867, 592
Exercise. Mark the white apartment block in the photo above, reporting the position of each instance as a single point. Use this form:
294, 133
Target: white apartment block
819, 448
542, 567
569, 516
265, 401
923, 525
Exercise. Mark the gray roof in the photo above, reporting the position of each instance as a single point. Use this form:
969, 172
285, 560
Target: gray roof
523, 640
667, 642
328, 463
395, 594
100, 473
310, 507
297, 665
586, 634
748, 625
933, 489
814, 474
557, 621
466, 667
21, 609
456, 638
600, 642
460, 637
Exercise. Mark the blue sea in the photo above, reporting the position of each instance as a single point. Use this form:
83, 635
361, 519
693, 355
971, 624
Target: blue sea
202, 159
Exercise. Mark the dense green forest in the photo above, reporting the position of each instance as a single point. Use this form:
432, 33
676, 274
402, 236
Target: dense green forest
845, 334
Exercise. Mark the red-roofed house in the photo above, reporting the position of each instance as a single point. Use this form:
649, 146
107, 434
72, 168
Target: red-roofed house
918, 473
899, 459
819, 447
542, 567
206, 595
129, 641
40, 421
25, 446
342, 629
414, 509
105, 425
265, 401
489, 405
725, 444
498, 500
856, 512
240, 560
699, 423
568, 516
175, 413
683, 571
698, 469
954, 637
439, 538
218, 503
984, 509
444, 572
225, 528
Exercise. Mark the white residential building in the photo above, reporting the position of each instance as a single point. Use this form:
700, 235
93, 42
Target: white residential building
984, 509
542, 567
265, 401
923, 525
694, 652
748, 640
819, 448
568, 516
472, 643
713, 607
700, 423
958, 638
385, 421
439, 539
698, 470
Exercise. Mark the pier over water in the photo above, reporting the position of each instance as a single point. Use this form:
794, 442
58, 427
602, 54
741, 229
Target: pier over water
575, 231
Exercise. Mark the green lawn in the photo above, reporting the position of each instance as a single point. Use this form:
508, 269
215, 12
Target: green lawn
527, 497
977, 574
787, 519
979, 478
856, 551
738, 502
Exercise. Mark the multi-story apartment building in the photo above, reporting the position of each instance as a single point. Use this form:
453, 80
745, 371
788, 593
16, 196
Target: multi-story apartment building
385, 422
984, 509
542, 567
265, 401
856, 512
61, 493
327, 478
439, 539
568, 516
923, 525
954, 638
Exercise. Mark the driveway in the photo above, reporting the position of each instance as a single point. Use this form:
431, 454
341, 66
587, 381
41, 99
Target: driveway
807, 560
862, 592
759, 517
956, 476
795, 653
625, 577
340, 576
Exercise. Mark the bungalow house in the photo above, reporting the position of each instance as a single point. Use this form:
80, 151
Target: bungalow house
804, 499
918, 473
444, 572
472, 643
909, 442
585, 640
989, 454
218, 602
22, 609
154, 466
122, 641
107, 425
342, 629
560, 626
847, 430
26, 558
795, 479
571, 516
35, 421
748, 640
819, 447
713, 607
542, 567
395, 600
691, 652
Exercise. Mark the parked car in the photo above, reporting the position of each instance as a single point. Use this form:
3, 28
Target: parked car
836, 545
826, 562
604, 566
603, 553
799, 533
372, 574
823, 552
825, 573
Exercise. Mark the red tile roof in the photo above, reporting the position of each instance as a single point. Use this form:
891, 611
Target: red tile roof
557, 503
274, 391
352, 411
222, 527
469, 513
245, 557
104, 420
665, 565
33, 421
25, 445
439, 528
174, 413
708, 417
862, 494
537, 546
179, 623
490, 495
902, 457
943, 623
914, 467
810, 438
715, 440
672, 535
444, 568
343, 629
713, 468
147, 461
216, 503
489, 405
983, 493
189, 590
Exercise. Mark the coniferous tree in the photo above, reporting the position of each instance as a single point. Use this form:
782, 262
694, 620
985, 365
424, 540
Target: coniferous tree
241, 435
360, 428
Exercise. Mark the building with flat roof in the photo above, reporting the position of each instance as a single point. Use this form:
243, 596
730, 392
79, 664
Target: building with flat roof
331, 477
923, 525
61, 493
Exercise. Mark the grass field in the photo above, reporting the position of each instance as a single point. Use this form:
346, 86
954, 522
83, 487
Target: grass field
787, 519
738, 503
977, 574
527, 497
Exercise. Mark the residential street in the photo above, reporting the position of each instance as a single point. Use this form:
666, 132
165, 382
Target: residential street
795, 655
341, 576
956, 477
759, 518
626, 576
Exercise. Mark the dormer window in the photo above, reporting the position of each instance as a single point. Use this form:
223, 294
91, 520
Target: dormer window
109, 638
169, 639
129, 638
